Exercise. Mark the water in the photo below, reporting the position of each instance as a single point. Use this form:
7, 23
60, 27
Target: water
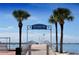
67, 47
13, 46
70, 47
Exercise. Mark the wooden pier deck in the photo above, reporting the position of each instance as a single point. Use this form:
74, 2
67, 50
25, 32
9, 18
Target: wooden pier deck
41, 49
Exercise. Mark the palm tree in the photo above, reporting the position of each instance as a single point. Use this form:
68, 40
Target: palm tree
54, 19
63, 14
20, 15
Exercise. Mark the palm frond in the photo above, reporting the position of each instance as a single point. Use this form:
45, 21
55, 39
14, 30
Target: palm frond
64, 14
20, 14
51, 20
70, 18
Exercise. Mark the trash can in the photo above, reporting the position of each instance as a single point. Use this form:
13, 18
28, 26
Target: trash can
18, 51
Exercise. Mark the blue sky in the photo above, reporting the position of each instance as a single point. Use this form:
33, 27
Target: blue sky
40, 13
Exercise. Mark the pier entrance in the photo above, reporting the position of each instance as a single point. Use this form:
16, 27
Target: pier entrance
42, 28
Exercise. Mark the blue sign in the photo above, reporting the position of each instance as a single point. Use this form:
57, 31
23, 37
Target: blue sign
39, 26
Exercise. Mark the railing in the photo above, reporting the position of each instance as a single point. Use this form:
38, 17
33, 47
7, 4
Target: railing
11, 46
26, 48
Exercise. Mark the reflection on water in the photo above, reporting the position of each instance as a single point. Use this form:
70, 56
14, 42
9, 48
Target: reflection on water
67, 47
70, 47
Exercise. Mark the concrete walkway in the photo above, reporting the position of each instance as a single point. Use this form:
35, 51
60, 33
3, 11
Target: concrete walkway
41, 49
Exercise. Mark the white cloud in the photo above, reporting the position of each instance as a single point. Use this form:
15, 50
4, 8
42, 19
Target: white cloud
6, 28
33, 17
71, 39
38, 36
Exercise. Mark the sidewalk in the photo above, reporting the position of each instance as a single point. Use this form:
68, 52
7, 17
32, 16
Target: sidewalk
41, 49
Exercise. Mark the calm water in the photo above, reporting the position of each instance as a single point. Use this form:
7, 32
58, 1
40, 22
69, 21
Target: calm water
13, 46
70, 47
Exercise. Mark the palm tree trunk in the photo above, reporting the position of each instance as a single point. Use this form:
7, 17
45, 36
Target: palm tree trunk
56, 37
20, 33
61, 39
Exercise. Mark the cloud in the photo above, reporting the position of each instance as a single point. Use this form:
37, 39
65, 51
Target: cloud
71, 39
6, 28
6, 15
38, 36
33, 17
32, 36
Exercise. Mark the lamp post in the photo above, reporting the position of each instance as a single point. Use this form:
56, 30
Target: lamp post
51, 35
27, 33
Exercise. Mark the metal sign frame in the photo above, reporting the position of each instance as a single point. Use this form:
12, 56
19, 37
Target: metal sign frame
41, 27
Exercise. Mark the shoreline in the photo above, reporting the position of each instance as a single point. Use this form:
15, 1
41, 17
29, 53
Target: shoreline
40, 49
69, 53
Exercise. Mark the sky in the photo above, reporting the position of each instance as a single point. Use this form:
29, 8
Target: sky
40, 13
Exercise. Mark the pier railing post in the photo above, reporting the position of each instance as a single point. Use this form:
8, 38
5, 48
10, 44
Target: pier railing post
29, 50
47, 50
9, 43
